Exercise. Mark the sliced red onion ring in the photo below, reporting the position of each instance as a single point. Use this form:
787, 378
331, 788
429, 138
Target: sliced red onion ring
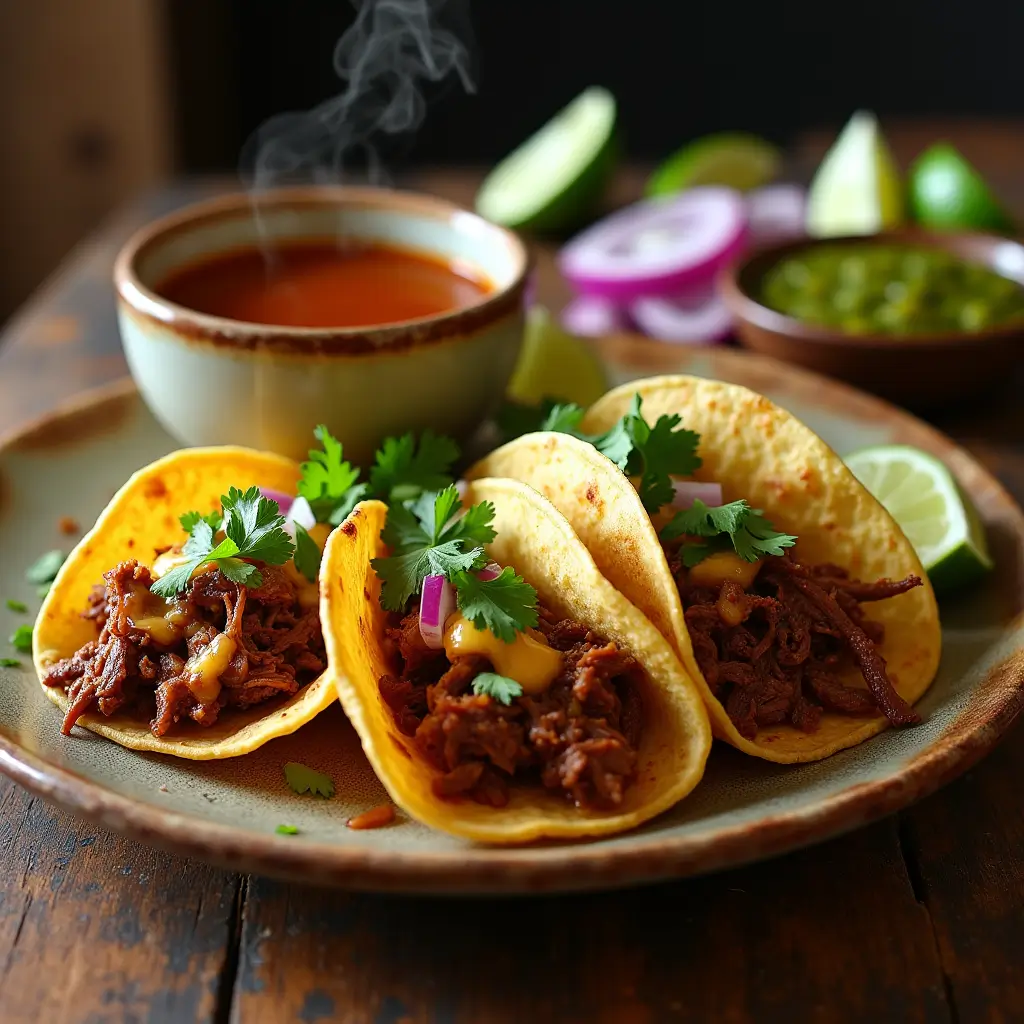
284, 501
490, 571
697, 316
590, 316
689, 491
437, 602
657, 246
776, 213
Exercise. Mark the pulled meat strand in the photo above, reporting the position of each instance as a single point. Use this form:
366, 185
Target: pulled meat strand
278, 648
579, 737
775, 652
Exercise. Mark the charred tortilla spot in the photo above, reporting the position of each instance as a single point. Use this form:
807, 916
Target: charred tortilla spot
366, 594
348, 528
591, 493
155, 488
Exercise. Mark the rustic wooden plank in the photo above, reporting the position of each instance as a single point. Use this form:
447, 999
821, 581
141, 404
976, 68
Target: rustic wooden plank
97, 929
963, 847
831, 934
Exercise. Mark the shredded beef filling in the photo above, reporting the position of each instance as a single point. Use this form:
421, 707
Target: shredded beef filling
578, 737
776, 651
277, 648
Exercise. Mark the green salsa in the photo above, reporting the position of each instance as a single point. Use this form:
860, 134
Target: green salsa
888, 288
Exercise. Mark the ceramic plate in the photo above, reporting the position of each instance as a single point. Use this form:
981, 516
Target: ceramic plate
72, 462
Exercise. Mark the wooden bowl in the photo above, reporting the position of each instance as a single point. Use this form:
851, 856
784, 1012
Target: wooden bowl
917, 370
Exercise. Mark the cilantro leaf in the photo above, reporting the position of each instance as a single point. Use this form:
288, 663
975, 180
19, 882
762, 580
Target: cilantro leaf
302, 779
434, 509
255, 524
750, 534
515, 419
45, 568
175, 581
240, 572
287, 830
254, 529
402, 575
475, 526
505, 605
21, 639
212, 519
17, 606
404, 468
327, 479
654, 454
403, 532
10, 663
307, 554
499, 688
346, 503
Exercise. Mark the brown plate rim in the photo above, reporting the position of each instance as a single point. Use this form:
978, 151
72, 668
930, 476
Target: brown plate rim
563, 867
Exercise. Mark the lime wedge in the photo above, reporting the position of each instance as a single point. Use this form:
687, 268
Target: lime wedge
735, 159
554, 364
947, 193
920, 493
856, 189
554, 179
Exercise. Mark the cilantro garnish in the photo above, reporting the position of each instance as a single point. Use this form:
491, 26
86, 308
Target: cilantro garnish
253, 527
328, 480
17, 606
307, 554
45, 568
735, 525
499, 688
654, 454
213, 519
405, 469
287, 830
429, 537
505, 605
10, 663
302, 779
21, 639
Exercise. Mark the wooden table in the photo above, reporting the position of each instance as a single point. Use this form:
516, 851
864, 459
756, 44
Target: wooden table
917, 918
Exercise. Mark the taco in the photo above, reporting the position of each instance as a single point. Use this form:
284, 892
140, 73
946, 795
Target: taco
503, 690
151, 640
787, 590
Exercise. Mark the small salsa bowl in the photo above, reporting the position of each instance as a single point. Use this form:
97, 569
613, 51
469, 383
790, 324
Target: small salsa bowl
919, 370
211, 380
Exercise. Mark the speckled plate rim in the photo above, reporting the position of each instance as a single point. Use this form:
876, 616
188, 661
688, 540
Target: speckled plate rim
557, 868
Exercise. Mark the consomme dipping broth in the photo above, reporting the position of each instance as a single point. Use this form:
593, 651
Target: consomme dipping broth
323, 284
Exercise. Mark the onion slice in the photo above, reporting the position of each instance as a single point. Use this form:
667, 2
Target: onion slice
776, 213
590, 316
657, 246
695, 317
301, 513
490, 571
437, 602
689, 491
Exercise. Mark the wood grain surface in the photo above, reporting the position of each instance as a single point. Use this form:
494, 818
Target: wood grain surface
918, 918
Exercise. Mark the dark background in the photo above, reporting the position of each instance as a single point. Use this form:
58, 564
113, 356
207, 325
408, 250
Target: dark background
678, 68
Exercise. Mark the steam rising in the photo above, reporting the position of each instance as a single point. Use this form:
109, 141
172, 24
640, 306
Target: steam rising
393, 48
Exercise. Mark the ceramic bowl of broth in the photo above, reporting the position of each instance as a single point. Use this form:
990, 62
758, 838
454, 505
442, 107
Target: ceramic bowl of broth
370, 310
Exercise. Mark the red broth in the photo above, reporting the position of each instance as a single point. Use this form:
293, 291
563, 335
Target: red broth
321, 284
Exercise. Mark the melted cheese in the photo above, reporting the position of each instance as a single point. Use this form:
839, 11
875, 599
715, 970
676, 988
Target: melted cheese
724, 567
528, 659
164, 563
205, 668
163, 620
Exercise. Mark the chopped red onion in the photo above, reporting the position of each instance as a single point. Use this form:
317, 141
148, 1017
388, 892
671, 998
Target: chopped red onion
590, 316
489, 572
697, 316
689, 491
301, 513
437, 602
